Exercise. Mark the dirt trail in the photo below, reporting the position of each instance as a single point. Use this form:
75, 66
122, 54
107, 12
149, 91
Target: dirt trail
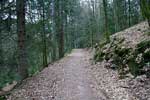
77, 84
67, 79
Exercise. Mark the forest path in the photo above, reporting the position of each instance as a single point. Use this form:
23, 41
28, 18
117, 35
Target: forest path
66, 79
77, 83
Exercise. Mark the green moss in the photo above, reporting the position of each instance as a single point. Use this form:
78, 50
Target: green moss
102, 44
99, 54
142, 46
2, 98
133, 67
147, 33
146, 56
123, 57
121, 52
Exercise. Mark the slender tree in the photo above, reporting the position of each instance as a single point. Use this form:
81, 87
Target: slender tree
145, 8
59, 21
129, 12
22, 56
106, 19
44, 36
61, 30
1, 53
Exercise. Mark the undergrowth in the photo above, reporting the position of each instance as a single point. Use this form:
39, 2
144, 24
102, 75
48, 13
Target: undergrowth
126, 59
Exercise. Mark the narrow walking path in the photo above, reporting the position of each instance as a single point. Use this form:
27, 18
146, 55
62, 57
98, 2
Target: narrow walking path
77, 84
67, 79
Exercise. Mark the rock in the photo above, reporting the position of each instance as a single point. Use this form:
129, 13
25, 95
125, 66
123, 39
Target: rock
130, 75
52, 97
107, 65
139, 58
141, 78
110, 60
113, 66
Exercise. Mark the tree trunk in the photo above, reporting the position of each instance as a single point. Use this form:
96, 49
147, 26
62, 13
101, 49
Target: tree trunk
61, 42
44, 39
106, 19
61, 48
1, 53
115, 6
22, 56
9, 20
59, 25
129, 3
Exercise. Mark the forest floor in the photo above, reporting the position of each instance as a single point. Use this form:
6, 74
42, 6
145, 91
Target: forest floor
77, 77
73, 78
67, 79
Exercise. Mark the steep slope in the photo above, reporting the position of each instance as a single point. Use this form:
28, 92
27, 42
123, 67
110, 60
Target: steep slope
126, 60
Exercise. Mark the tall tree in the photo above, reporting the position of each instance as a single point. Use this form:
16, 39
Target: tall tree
59, 14
116, 17
61, 30
22, 56
145, 8
129, 12
1, 53
106, 19
44, 36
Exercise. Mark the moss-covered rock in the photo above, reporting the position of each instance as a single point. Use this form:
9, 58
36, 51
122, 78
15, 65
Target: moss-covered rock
124, 57
142, 46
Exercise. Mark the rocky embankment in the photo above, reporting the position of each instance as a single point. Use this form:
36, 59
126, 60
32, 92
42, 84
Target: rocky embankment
125, 59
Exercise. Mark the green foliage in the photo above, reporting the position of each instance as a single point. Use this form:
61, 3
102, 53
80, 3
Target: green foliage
7, 76
145, 8
99, 54
148, 32
2, 98
134, 67
142, 46
33, 70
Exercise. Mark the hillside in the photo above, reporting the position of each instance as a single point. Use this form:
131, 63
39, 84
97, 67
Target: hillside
126, 63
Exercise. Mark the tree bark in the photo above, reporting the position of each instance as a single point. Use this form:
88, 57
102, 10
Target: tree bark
44, 39
61, 41
1, 47
106, 19
149, 22
22, 55
129, 3
59, 13
1, 53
